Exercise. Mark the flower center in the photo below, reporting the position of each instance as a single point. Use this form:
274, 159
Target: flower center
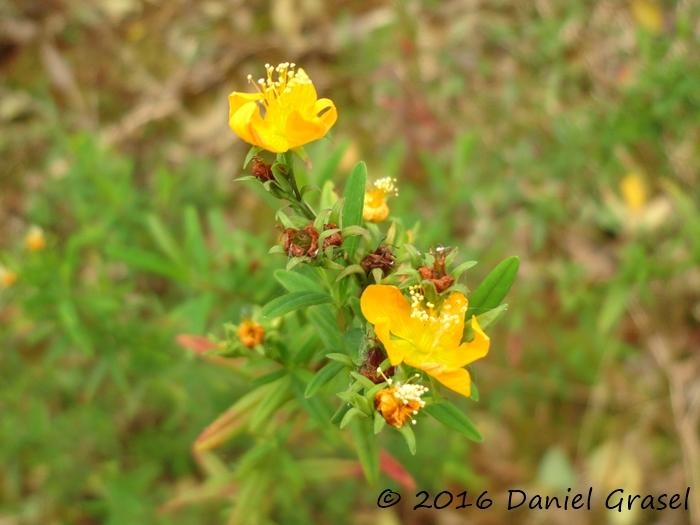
278, 89
437, 321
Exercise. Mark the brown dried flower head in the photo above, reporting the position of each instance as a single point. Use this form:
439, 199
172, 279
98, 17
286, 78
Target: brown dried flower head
260, 169
335, 239
438, 273
300, 242
370, 366
381, 258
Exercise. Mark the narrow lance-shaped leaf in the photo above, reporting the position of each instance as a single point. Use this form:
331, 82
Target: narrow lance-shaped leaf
494, 287
450, 416
293, 301
194, 240
232, 421
354, 196
297, 282
322, 377
367, 450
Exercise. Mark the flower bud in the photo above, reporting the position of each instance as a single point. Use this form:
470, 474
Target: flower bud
250, 333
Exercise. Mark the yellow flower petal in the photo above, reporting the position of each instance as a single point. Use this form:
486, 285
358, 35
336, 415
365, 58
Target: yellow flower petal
456, 379
383, 304
237, 99
242, 120
469, 351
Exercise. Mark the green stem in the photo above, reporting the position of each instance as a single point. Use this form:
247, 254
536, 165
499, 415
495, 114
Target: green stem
297, 201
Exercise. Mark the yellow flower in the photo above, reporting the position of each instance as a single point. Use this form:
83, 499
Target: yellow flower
634, 192
7, 277
284, 113
649, 15
375, 207
423, 335
250, 333
34, 241
397, 404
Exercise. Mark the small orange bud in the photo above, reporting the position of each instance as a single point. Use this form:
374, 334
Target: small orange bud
250, 333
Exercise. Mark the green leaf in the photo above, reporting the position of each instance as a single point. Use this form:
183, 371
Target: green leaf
327, 171
280, 306
341, 358
194, 312
354, 196
491, 316
612, 309
164, 240
268, 378
326, 323
339, 414
232, 421
280, 393
145, 260
493, 289
322, 377
296, 282
252, 152
450, 416
474, 394
350, 415
410, 437
460, 269
194, 241
379, 422
367, 448
349, 270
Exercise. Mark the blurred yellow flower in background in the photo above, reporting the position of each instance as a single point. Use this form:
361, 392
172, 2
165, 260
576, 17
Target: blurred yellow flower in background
375, 207
634, 192
35, 241
423, 335
649, 15
284, 113
7, 277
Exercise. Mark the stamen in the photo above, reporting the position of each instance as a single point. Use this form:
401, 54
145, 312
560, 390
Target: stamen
388, 380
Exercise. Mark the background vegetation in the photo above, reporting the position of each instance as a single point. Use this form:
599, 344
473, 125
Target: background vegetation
563, 132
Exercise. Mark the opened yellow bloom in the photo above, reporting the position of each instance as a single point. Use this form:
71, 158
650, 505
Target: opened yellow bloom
423, 335
375, 207
284, 113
